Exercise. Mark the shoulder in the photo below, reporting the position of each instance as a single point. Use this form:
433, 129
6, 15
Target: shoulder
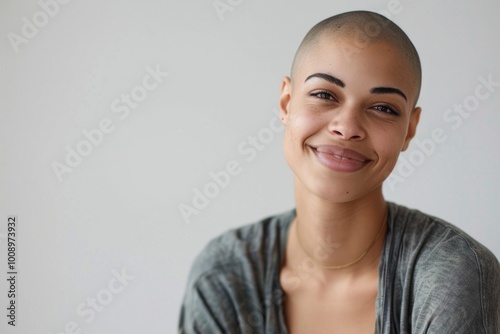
232, 277
241, 249
429, 238
453, 276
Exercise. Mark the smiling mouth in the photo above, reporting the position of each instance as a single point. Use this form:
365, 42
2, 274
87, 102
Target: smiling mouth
339, 158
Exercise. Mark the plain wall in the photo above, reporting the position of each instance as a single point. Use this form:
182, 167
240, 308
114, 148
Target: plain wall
118, 209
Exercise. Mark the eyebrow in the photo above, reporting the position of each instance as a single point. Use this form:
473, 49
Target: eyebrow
340, 83
327, 77
388, 90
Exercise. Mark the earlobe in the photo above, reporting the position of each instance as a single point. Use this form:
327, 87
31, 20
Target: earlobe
412, 127
285, 98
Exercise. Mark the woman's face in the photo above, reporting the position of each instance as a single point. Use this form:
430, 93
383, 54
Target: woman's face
347, 117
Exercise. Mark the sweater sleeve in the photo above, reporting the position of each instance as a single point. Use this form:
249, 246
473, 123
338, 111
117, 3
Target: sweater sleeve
224, 290
208, 308
457, 289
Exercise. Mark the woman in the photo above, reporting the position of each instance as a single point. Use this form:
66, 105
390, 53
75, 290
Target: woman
345, 260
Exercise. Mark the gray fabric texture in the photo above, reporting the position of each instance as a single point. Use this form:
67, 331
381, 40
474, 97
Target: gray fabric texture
433, 278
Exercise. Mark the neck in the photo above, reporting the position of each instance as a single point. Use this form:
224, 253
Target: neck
335, 235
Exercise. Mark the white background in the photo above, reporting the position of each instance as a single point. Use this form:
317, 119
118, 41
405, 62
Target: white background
119, 208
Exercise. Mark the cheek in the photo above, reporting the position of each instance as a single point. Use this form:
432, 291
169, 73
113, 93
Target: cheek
300, 126
388, 147
304, 123
291, 141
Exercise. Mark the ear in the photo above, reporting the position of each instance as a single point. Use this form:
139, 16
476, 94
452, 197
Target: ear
285, 97
412, 127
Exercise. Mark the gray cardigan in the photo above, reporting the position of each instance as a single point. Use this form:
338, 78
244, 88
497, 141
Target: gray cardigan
433, 278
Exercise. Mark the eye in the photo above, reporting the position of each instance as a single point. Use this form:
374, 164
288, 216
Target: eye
385, 109
324, 95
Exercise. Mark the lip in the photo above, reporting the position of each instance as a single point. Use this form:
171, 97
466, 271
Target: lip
339, 158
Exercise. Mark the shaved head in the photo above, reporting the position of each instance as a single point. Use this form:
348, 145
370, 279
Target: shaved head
357, 30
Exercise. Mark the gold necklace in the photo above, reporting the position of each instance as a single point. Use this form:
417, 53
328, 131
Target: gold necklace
344, 265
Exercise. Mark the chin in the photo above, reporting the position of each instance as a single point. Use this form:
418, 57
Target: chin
338, 196
335, 192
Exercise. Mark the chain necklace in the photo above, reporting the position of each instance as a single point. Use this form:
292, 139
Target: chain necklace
344, 265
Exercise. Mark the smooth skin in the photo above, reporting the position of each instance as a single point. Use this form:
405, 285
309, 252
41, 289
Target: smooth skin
340, 212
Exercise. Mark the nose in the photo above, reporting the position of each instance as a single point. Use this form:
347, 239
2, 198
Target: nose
346, 124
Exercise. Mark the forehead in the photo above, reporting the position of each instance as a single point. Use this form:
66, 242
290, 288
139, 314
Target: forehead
376, 63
